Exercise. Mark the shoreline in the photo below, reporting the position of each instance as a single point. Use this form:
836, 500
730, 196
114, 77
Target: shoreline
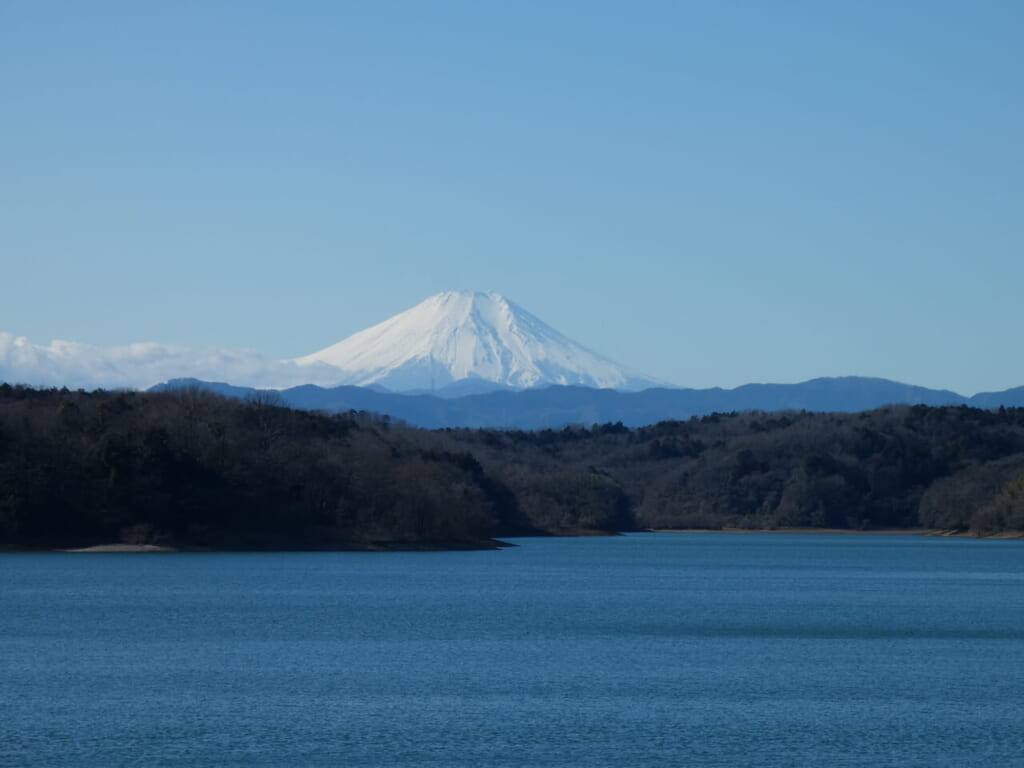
127, 548
935, 532
496, 544
380, 546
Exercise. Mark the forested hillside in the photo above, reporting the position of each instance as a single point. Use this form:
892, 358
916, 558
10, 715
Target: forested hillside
190, 468
196, 469
953, 468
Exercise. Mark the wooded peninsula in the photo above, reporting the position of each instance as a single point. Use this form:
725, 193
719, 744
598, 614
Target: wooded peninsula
195, 470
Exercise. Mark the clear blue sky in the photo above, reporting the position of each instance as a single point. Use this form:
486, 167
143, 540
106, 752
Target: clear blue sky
711, 192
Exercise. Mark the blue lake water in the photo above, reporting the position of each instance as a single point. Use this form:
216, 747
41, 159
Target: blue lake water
640, 650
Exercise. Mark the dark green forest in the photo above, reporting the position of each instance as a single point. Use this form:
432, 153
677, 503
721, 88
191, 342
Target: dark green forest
193, 469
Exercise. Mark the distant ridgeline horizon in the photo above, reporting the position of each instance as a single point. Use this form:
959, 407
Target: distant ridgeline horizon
456, 359
476, 405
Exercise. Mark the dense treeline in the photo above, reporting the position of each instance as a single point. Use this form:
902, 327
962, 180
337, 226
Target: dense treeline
198, 469
191, 468
951, 468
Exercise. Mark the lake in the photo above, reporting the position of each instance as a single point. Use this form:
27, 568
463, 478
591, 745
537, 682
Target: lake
640, 650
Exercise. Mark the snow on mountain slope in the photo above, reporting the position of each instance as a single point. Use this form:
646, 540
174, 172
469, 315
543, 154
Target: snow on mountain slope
459, 335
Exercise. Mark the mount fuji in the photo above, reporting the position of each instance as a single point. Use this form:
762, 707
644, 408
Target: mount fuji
463, 342
452, 344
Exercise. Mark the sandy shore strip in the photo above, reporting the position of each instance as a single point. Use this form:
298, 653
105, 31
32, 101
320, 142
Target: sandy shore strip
102, 548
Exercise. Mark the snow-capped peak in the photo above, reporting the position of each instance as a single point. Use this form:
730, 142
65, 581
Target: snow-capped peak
458, 335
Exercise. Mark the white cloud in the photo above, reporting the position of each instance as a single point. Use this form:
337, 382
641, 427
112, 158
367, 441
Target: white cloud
139, 366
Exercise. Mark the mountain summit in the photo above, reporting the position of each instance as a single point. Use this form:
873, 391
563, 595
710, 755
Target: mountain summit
469, 337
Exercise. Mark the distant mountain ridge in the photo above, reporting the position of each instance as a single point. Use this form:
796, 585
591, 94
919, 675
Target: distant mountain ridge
456, 359
557, 406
